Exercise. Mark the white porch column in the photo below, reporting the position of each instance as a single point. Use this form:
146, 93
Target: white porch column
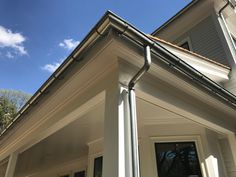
11, 165
117, 144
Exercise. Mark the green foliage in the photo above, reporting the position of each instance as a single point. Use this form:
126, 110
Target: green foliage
10, 102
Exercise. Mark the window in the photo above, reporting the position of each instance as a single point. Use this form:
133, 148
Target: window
65, 176
97, 170
177, 159
185, 45
234, 39
79, 174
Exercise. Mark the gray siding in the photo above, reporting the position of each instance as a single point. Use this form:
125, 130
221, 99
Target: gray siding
205, 40
228, 159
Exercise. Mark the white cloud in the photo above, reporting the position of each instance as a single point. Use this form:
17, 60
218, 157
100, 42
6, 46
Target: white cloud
52, 67
9, 55
68, 44
12, 40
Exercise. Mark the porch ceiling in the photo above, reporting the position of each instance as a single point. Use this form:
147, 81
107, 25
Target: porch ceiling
71, 142
89, 127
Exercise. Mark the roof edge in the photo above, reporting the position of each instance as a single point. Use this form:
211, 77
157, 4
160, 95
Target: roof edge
177, 15
140, 38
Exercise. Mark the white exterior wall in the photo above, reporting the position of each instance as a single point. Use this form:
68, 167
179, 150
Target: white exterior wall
207, 147
170, 133
228, 158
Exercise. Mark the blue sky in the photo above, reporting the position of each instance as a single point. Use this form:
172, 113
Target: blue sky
36, 35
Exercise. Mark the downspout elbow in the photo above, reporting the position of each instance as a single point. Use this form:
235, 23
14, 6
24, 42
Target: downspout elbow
143, 70
221, 10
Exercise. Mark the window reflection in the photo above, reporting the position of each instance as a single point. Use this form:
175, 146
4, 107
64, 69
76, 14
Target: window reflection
79, 174
177, 159
98, 167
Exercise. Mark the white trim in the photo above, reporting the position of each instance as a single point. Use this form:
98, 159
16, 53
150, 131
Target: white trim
232, 144
79, 164
99, 140
92, 157
190, 138
71, 173
234, 39
64, 174
11, 165
227, 36
79, 170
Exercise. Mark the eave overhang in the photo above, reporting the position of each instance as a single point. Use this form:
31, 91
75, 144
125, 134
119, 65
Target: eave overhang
111, 21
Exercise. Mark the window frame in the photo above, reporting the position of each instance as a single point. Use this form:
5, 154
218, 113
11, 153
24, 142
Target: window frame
64, 174
94, 164
92, 158
234, 39
187, 39
72, 172
172, 139
80, 170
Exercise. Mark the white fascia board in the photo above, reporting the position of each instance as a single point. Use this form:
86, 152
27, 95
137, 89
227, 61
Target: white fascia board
215, 72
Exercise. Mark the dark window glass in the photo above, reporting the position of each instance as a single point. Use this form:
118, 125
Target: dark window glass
234, 39
185, 45
79, 174
177, 159
65, 176
98, 167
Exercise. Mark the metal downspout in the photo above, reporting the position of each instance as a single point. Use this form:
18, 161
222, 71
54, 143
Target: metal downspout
221, 10
133, 115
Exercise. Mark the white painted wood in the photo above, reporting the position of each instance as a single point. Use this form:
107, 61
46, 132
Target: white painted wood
227, 157
11, 165
228, 38
147, 167
78, 88
212, 70
232, 144
117, 144
95, 150
182, 138
214, 161
184, 107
